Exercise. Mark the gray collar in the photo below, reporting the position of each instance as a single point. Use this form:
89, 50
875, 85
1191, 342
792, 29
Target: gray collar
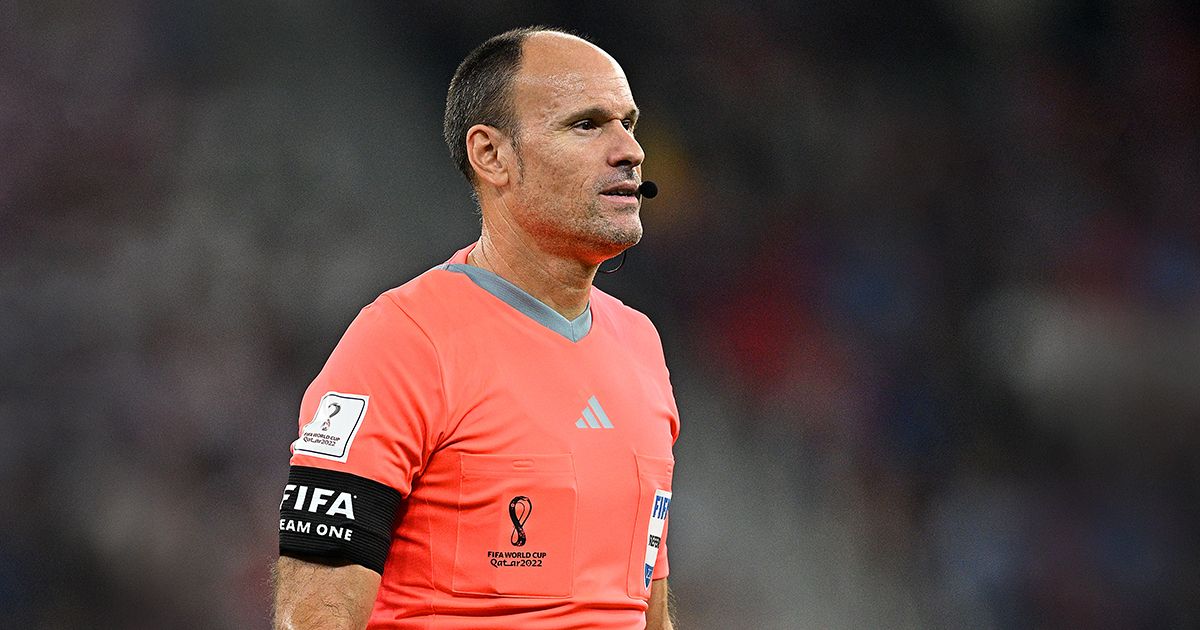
531, 307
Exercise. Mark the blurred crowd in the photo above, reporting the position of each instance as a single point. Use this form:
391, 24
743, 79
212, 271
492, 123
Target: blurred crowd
928, 278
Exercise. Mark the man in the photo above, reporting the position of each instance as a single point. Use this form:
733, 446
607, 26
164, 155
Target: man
489, 446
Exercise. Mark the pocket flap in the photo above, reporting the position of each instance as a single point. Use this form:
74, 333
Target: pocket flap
486, 465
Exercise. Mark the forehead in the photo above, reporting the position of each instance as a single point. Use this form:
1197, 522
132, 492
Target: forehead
563, 72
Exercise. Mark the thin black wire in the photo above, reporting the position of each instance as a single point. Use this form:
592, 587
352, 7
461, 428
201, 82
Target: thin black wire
614, 269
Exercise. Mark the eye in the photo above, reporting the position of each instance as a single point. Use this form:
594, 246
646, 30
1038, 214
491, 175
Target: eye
627, 124
586, 125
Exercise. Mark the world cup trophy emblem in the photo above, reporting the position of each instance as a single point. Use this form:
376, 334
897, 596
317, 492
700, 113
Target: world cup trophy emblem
518, 512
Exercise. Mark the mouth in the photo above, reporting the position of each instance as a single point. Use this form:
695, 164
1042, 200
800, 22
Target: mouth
622, 192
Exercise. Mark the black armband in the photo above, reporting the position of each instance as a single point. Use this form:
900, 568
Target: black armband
336, 517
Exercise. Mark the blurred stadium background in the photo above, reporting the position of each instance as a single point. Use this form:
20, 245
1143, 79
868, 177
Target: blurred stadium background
927, 273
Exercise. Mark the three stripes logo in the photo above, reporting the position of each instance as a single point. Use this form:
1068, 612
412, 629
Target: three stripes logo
593, 416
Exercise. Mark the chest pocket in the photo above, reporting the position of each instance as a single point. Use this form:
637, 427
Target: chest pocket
516, 526
649, 531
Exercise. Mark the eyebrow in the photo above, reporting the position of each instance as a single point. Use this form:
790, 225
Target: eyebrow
600, 112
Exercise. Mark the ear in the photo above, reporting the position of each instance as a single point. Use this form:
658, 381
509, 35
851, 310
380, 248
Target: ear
490, 152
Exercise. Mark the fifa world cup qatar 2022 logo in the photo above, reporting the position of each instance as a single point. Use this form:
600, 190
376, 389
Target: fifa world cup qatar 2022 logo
518, 512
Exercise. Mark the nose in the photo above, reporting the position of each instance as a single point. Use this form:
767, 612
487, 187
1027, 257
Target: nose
625, 150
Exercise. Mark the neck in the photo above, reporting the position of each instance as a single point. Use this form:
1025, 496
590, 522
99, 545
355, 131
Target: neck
564, 284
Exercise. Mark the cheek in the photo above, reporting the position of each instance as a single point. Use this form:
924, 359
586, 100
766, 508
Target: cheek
562, 175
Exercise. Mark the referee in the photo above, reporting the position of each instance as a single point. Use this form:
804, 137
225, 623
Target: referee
489, 445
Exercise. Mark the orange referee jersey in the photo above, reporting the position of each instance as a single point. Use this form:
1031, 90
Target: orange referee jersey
533, 453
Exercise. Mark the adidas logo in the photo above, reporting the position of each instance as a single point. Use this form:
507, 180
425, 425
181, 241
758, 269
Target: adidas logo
593, 416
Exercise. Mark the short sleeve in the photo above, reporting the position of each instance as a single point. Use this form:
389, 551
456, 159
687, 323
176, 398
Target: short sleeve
377, 408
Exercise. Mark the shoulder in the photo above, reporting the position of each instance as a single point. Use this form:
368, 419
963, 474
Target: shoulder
429, 297
618, 309
412, 313
627, 321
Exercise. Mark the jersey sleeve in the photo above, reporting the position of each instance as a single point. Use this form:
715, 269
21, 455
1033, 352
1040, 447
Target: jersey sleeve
368, 424
386, 361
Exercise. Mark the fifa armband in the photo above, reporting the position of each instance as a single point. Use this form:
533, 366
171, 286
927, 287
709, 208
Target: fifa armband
336, 517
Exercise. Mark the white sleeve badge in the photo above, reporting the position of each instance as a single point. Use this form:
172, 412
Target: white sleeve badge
658, 519
333, 428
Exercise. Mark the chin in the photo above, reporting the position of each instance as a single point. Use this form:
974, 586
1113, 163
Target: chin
619, 244
623, 236
609, 236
